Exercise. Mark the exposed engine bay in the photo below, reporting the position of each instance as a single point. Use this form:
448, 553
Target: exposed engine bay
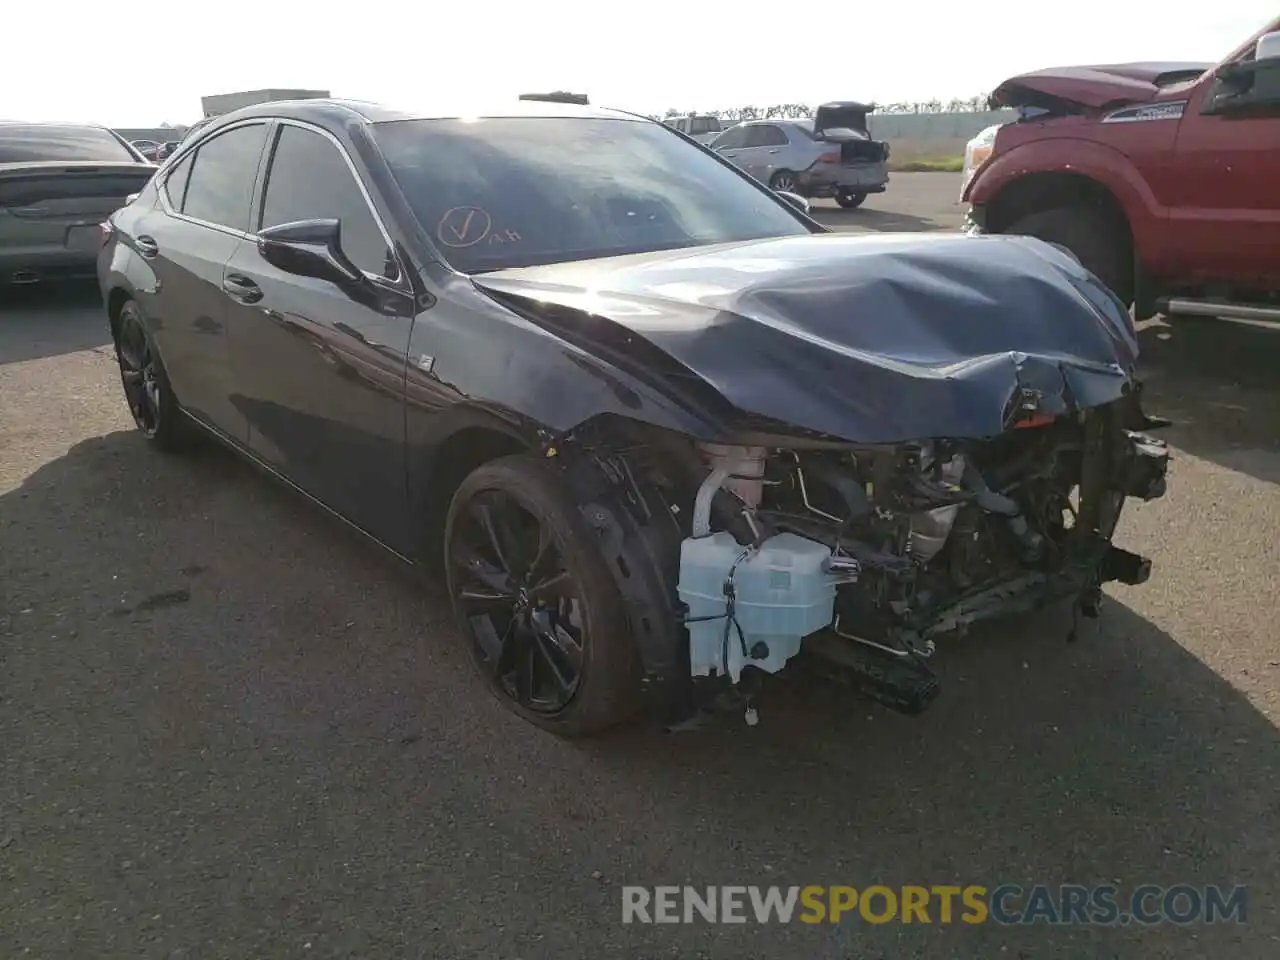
861, 556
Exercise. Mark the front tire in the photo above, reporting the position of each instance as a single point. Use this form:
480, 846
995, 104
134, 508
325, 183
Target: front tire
535, 602
146, 385
1095, 240
850, 199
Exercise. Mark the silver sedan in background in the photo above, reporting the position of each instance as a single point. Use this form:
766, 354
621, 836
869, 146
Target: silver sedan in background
831, 155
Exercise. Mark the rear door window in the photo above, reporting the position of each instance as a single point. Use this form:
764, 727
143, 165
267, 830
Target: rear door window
220, 184
310, 179
175, 184
765, 135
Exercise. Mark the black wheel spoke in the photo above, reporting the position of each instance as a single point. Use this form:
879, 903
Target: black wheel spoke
488, 638
553, 586
526, 664
549, 652
498, 581
485, 595
541, 557
510, 581
485, 516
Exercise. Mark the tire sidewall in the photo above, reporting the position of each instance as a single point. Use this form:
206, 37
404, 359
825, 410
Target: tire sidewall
1088, 237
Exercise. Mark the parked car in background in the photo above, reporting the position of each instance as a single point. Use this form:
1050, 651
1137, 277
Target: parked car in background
831, 155
660, 428
166, 149
1160, 177
701, 127
148, 148
58, 182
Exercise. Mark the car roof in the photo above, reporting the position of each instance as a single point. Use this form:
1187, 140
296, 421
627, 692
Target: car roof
52, 124
330, 109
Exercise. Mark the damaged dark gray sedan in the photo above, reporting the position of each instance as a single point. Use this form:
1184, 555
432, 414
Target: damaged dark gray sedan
666, 435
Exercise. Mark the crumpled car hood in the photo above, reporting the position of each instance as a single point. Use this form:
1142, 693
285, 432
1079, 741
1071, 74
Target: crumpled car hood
1092, 86
870, 339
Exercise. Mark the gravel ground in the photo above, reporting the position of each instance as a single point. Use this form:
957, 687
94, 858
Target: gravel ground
232, 729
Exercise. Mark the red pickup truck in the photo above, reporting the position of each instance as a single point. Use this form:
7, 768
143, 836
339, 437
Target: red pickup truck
1162, 178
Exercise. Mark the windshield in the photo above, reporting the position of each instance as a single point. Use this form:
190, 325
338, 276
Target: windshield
32, 143
512, 192
701, 125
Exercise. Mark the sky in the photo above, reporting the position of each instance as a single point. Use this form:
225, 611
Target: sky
132, 65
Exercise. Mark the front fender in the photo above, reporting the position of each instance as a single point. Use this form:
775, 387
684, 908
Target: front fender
1068, 155
470, 348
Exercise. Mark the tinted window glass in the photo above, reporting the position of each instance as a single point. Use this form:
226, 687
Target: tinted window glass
175, 185
764, 135
770, 136
701, 125
27, 142
518, 191
310, 180
734, 137
220, 186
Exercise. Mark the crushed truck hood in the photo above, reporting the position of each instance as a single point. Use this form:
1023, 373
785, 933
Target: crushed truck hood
870, 339
1094, 86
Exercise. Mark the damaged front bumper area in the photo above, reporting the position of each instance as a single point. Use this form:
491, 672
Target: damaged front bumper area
858, 559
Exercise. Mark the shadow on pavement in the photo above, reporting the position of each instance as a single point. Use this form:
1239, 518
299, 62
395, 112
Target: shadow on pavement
1219, 382
881, 221
42, 321
230, 726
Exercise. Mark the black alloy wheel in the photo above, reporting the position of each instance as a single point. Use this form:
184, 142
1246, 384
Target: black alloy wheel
146, 388
534, 600
138, 371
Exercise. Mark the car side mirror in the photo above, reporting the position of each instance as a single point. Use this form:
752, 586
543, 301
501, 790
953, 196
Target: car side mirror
797, 201
1267, 47
309, 248
1247, 87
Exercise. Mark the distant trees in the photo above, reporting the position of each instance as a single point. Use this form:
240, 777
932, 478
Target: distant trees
974, 104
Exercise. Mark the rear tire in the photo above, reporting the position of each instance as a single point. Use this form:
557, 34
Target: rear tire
783, 180
850, 199
535, 602
1094, 239
151, 400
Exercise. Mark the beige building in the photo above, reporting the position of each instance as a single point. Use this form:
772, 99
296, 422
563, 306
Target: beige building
221, 103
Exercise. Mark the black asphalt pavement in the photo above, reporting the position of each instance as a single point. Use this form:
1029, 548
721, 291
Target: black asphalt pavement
230, 728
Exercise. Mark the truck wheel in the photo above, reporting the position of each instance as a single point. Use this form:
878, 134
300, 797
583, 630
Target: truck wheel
535, 601
1091, 237
849, 199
